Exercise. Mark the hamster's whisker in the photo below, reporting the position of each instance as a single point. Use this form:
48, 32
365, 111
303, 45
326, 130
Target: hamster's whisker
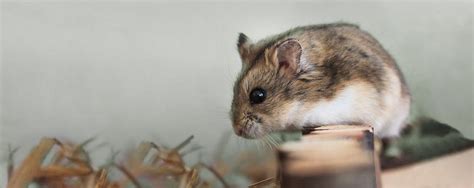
265, 144
258, 145
264, 140
272, 141
268, 146
275, 143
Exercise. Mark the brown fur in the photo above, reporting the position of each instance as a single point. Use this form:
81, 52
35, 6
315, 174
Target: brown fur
335, 54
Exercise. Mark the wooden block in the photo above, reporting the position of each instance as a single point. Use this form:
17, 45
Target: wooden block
331, 156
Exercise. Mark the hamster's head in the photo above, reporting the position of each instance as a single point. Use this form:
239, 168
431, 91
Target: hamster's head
263, 90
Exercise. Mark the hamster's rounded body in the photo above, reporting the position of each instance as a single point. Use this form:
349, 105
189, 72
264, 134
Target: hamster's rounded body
318, 75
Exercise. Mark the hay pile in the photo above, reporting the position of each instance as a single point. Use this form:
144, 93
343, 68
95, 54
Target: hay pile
148, 165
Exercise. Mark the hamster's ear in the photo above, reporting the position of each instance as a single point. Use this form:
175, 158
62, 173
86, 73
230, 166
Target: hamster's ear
287, 56
243, 45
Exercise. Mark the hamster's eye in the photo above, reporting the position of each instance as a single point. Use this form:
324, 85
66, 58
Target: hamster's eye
257, 96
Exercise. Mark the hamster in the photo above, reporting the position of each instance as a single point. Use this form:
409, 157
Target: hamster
318, 75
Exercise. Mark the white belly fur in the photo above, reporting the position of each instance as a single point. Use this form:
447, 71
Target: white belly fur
360, 103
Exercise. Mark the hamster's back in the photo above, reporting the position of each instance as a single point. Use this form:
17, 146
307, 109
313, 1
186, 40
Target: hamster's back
343, 54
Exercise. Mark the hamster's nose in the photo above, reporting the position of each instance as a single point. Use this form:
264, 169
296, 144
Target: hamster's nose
239, 131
